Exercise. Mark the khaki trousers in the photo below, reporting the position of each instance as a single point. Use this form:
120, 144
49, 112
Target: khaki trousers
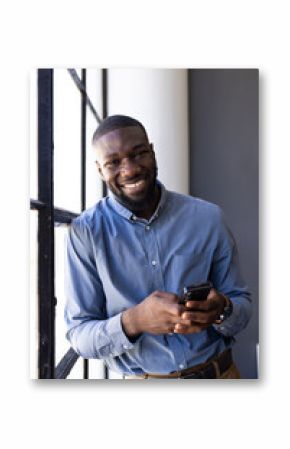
231, 373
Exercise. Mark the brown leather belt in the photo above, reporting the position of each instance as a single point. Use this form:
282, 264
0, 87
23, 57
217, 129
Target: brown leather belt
212, 369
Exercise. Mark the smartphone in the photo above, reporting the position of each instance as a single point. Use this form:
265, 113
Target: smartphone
197, 292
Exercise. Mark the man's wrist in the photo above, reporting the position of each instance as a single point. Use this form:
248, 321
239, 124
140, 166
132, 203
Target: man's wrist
129, 320
227, 309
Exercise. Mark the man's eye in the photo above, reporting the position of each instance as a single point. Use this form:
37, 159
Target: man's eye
112, 164
141, 154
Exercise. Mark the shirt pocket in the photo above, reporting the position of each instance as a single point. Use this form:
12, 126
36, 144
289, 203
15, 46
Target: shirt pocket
187, 269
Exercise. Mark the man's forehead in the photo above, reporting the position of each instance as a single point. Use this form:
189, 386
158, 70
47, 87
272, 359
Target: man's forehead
117, 138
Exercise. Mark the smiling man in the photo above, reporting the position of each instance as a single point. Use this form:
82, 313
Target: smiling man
128, 260
126, 162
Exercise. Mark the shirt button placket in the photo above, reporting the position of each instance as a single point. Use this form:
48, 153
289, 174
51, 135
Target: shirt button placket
178, 353
153, 255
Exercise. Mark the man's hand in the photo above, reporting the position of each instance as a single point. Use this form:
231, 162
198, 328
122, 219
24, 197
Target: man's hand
201, 314
159, 313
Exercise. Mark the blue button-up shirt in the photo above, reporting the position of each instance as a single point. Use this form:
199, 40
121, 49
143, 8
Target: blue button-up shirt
115, 260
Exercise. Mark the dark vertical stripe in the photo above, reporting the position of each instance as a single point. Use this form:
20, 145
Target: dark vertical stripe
86, 369
105, 114
83, 142
104, 109
46, 314
104, 93
83, 170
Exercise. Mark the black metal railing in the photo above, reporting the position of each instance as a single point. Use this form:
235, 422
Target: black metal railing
49, 216
46, 301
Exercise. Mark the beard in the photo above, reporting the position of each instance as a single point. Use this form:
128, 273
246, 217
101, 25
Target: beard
142, 203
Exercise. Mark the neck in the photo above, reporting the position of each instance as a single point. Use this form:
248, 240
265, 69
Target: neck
150, 209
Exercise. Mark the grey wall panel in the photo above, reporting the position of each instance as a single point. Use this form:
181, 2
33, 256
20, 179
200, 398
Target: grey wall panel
224, 169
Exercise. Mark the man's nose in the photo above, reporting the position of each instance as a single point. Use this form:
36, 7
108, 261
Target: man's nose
128, 167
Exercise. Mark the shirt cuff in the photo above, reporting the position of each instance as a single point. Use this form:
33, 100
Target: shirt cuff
229, 326
119, 341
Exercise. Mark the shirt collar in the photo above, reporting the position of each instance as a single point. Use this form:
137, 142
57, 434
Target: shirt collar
129, 215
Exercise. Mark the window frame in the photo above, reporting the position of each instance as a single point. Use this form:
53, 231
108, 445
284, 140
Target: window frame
49, 217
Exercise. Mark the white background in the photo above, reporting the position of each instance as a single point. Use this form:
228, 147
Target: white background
217, 34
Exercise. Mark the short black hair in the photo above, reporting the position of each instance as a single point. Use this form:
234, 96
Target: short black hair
115, 122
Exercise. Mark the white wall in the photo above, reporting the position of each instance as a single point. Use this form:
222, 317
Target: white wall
157, 98
94, 188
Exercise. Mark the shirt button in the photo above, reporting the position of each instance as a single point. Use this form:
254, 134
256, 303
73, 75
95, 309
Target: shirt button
181, 366
154, 263
125, 346
147, 228
134, 217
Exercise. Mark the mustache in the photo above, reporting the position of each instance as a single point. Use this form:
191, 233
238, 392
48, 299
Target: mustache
134, 179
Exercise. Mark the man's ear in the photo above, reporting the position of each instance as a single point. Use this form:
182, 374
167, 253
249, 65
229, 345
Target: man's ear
99, 168
151, 146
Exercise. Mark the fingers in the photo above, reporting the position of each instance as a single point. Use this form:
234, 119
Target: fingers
194, 321
189, 329
168, 297
198, 305
169, 303
199, 317
162, 313
210, 303
162, 294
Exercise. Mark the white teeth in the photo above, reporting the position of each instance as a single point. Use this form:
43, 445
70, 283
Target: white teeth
133, 186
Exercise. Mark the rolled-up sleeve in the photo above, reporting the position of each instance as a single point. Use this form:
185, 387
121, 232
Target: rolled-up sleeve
227, 279
90, 332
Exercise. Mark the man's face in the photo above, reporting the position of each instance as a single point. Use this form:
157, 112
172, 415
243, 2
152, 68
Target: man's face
126, 162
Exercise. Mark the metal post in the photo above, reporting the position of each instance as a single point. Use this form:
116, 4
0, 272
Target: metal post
83, 172
105, 114
104, 108
46, 318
